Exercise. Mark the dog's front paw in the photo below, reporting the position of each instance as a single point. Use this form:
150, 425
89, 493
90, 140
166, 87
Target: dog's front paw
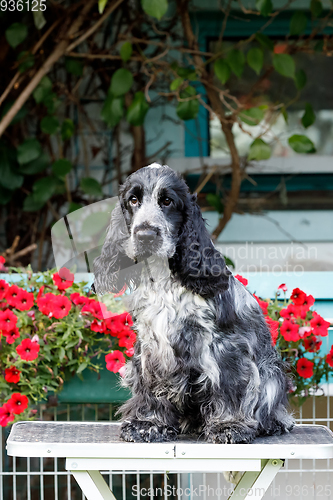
230, 434
141, 431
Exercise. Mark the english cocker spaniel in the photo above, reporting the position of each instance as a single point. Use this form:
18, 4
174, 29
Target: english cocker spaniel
204, 362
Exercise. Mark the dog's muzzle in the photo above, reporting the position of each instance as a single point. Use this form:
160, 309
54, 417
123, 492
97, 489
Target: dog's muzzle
147, 240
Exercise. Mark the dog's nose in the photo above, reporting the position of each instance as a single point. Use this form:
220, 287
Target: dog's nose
146, 236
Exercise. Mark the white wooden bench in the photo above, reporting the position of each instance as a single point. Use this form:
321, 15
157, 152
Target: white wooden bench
91, 447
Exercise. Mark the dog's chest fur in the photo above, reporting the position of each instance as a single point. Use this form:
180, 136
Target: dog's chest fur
175, 331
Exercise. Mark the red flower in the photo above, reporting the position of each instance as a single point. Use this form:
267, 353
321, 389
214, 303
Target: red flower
304, 368
11, 335
3, 288
283, 287
98, 310
312, 344
6, 414
241, 279
116, 323
308, 301
129, 352
289, 331
293, 311
78, 299
45, 302
24, 300
64, 279
12, 294
97, 326
329, 358
263, 304
273, 327
298, 297
18, 402
60, 306
319, 325
114, 361
12, 375
127, 338
28, 350
8, 320
2, 261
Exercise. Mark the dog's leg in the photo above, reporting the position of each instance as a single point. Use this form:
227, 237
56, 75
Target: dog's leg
148, 419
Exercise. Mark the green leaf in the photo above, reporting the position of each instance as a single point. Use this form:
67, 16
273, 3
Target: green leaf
29, 150
309, 116
259, 150
74, 206
49, 124
42, 191
214, 201
176, 83
82, 367
39, 19
101, 5
155, 8
10, 178
91, 187
300, 79
316, 8
265, 7
137, 110
35, 166
51, 102
113, 110
222, 70
255, 59
186, 73
67, 129
187, 110
121, 82
284, 114
32, 205
126, 51
284, 64
265, 41
236, 61
43, 89
16, 34
74, 66
26, 60
301, 144
229, 262
252, 116
61, 167
44, 188
298, 23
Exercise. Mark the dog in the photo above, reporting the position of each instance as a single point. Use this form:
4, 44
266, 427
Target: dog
204, 363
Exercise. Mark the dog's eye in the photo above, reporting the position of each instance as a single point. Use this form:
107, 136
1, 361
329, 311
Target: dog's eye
133, 200
166, 201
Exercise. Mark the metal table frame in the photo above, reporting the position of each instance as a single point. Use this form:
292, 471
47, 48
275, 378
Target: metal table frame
91, 447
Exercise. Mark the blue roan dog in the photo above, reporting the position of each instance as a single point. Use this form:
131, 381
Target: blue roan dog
204, 363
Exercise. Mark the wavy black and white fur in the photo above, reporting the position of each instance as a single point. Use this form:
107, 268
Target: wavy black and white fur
204, 363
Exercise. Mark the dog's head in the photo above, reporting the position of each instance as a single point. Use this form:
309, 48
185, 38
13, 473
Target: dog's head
157, 216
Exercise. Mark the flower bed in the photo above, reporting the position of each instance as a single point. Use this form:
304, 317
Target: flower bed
296, 332
51, 329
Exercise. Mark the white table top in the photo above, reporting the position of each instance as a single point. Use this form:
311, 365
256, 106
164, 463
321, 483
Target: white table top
101, 440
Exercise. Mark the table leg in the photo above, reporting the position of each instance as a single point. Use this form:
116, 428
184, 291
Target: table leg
253, 485
93, 485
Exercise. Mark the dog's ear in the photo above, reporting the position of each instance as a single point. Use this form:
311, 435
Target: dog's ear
110, 267
197, 264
